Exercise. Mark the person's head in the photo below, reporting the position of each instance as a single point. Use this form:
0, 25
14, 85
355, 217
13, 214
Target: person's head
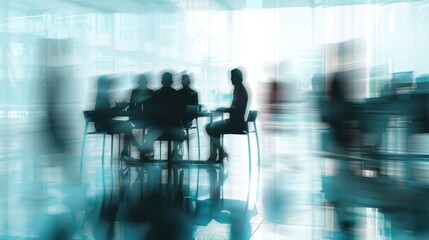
142, 80
167, 79
236, 76
186, 80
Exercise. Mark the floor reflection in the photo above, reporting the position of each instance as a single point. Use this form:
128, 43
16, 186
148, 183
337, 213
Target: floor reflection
43, 197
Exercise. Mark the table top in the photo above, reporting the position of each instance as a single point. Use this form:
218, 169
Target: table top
209, 113
203, 113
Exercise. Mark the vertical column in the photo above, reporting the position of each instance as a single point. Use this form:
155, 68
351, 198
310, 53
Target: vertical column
4, 49
4, 63
114, 21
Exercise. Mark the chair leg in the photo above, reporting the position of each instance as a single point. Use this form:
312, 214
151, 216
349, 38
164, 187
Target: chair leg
198, 184
212, 183
119, 146
221, 176
102, 162
221, 143
250, 169
169, 162
160, 156
119, 153
111, 158
189, 157
82, 150
198, 139
221, 170
222, 135
187, 143
259, 161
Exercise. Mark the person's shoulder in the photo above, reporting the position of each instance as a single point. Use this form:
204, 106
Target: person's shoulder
156, 93
181, 93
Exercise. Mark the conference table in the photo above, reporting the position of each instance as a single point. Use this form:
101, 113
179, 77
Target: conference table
177, 165
210, 114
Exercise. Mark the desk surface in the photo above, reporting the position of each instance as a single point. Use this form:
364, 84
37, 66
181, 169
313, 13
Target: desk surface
173, 163
208, 113
204, 113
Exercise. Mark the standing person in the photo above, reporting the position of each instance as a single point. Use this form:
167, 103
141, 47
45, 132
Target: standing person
235, 122
104, 114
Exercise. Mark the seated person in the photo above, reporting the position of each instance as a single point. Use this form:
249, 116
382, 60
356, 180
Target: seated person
164, 111
187, 96
104, 114
140, 96
235, 122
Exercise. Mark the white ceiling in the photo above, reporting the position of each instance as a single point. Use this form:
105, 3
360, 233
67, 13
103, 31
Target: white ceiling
30, 7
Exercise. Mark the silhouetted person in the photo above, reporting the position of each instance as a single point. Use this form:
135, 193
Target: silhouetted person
318, 87
104, 114
339, 111
187, 96
165, 113
55, 118
235, 122
419, 106
275, 97
55, 70
140, 96
167, 98
342, 112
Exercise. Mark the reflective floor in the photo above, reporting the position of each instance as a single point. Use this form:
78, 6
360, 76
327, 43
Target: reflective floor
43, 196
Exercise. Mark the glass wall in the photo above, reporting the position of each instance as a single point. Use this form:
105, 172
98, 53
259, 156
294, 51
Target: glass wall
207, 43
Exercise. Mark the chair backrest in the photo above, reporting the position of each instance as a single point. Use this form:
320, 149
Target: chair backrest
89, 116
191, 111
252, 116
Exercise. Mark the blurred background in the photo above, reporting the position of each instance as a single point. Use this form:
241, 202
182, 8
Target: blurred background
339, 86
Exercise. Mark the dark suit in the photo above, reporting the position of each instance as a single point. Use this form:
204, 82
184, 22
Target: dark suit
140, 98
164, 112
166, 107
187, 96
